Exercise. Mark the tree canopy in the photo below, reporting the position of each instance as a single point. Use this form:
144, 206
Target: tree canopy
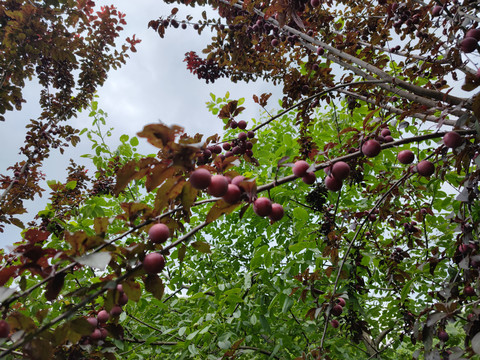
341, 224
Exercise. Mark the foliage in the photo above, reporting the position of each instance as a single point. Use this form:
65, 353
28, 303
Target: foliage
69, 47
385, 268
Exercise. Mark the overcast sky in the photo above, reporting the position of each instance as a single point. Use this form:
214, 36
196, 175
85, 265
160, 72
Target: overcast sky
154, 85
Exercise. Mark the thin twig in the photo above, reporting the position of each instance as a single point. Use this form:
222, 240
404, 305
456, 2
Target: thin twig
310, 98
347, 252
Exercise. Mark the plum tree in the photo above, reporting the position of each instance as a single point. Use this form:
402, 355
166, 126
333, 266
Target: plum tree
4, 329
103, 316
233, 194
443, 336
116, 310
92, 321
332, 183
352, 74
309, 178
337, 310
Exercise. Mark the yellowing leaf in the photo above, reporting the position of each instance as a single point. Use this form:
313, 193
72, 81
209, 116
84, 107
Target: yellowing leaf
202, 246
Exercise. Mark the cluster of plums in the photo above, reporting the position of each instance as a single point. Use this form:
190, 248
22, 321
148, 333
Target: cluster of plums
302, 170
340, 170
239, 146
337, 310
231, 191
399, 255
470, 41
99, 332
154, 263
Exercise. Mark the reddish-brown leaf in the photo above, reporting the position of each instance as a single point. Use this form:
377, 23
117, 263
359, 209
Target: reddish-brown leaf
124, 176
19, 321
202, 246
54, 286
158, 175
134, 210
77, 242
181, 252
7, 273
39, 349
476, 106
35, 235
218, 209
160, 135
154, 285
170, 189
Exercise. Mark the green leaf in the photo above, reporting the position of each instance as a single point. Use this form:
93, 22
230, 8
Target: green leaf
71, 185
296, 248
301, 214
265, 325
134, 141
287, 304
192, 335
406, 290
